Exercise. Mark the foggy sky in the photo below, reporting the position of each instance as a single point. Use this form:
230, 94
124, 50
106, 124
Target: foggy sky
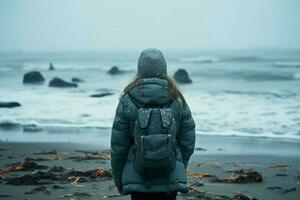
91, 25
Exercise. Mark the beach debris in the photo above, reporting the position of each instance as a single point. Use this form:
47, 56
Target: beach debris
103, 152
39, 189
200, 149
274, 188
28, 165
83, 158
43, 159
242, 196
58, 174
10, 104
277, 166
293, 189
102, 94
95, 173
114, 70
197, 184
281, 174
51, 67
5, 195
76, 80
209, 165
111, 196
57, 187
197, 194
57, 169
284, 191
250, 176
199, 175
91, 155
76, 194
33, 77
58, 82
35, 178
77, 179
182, 76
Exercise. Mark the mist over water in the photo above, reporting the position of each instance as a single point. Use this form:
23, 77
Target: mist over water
244, 93
78, 25
235, 91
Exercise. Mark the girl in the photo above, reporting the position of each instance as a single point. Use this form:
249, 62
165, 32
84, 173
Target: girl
153, 134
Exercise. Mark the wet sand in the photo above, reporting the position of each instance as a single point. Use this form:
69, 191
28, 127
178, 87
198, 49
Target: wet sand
216, 159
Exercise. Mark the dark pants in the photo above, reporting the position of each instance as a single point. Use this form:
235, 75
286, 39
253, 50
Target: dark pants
154, 196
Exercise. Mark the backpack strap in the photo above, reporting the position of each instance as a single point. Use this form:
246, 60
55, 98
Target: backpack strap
143, 117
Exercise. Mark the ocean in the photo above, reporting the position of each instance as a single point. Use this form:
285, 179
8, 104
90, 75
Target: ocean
234, 92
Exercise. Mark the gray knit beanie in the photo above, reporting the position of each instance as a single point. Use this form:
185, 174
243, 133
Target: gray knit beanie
152, 64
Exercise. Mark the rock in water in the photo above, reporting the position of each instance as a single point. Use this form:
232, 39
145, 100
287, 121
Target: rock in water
9, 104
9, 125
114, 70
58, 82
51, 67
182, 76
76, 80
31, 128
33, 77
102, 94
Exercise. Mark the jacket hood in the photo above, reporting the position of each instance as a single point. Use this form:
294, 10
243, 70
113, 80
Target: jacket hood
151, 91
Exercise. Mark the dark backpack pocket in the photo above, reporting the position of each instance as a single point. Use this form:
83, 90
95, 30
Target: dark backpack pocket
155, 155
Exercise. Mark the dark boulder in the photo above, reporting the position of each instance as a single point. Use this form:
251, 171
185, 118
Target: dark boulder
51, 67
182, 76
76, 80
6, 124
33, 77
58, 82
9, 104
31, 128
114, 70
102, 94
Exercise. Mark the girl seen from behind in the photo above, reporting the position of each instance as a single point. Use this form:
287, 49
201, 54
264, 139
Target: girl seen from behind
153, 134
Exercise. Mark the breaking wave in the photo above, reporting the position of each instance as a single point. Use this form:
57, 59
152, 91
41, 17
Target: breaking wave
264, 76
200, 59
287, 64
246, 59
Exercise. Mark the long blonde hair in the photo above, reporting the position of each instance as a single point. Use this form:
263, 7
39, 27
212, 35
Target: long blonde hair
175, 92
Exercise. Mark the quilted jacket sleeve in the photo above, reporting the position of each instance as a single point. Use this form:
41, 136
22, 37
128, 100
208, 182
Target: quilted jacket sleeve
120, 142
186, 135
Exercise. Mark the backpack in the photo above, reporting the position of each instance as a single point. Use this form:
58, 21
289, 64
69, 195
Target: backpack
154, 134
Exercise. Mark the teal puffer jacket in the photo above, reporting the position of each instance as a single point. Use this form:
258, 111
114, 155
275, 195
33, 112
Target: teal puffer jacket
124, 173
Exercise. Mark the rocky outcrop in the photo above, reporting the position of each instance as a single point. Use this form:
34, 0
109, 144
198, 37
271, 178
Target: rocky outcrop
76, 80
103, 94
31, 128
114, 71
6, 124
182, 76
58, 82
9, 104
33, 77
51, 67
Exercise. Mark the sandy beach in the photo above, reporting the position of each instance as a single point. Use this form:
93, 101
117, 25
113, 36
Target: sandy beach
222, 167
72, 70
